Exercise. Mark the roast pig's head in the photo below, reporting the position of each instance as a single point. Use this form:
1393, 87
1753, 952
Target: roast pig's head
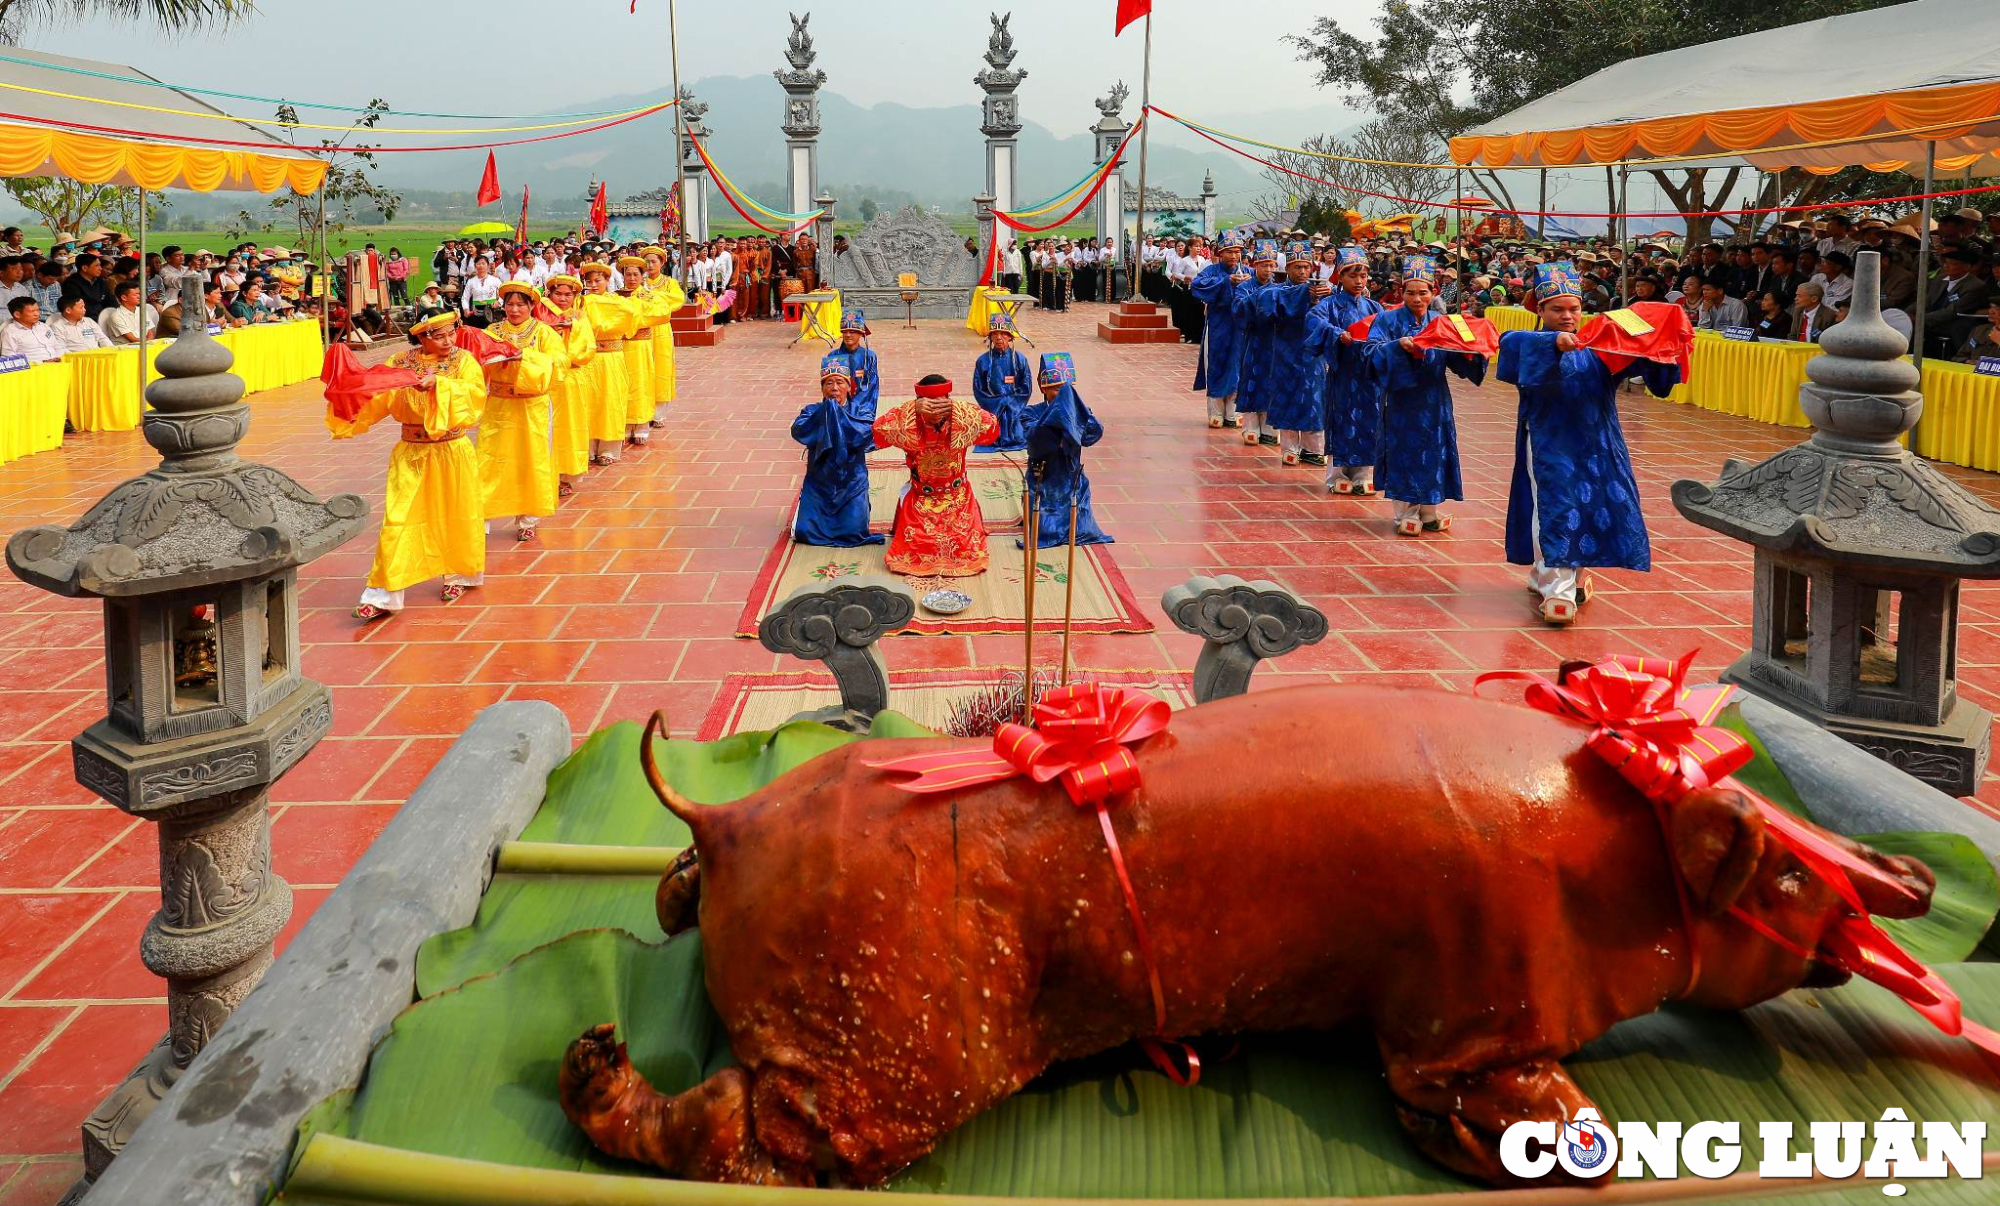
1732, 864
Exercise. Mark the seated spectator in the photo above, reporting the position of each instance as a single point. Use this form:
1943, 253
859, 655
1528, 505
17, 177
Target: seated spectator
431, 301
1785, 275
75, 330
1984, 340
1646, 288
1773, 320
1811, 314
1836, 277
1956, 298
26, 334
128, 322
47, 288
371, 320
1717, 309
251, 305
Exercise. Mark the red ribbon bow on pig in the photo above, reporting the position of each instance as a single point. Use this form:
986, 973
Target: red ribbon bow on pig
1080, 737
1654, 730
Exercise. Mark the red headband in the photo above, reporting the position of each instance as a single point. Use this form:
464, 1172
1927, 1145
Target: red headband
941, 390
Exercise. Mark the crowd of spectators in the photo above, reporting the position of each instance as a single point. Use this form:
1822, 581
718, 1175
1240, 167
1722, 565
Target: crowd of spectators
84, 293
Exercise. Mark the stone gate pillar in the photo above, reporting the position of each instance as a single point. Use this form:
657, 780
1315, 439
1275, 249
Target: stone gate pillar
801, 124
1108, 210
1001, 115
694, 173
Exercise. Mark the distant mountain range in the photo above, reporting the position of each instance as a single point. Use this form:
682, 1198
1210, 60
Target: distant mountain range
934, 155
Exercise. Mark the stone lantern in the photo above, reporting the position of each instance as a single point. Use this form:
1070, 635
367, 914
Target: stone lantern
197, 564
1859, 549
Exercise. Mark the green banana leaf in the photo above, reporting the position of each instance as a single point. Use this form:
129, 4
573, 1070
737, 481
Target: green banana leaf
1962, 908
471, 1072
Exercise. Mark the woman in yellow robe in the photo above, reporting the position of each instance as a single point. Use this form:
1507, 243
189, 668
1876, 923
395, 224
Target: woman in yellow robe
613, 321
431, 514
571, 397
638, 350
666, 295
517, 471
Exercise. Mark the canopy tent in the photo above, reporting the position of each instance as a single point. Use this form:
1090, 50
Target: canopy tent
48, 111
1931, 67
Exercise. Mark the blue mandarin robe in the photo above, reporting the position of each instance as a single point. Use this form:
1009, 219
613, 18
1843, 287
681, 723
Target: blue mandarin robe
1058, 432
1572, 475
1417, 461
1293, 380
867, 375
833, 501
1351, 399
1001, 384
1254, 366
1222, 336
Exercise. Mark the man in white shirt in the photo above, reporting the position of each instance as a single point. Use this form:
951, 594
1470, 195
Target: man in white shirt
26, 334
722, 269
1839, 237
172, 270
76, 331
1835, 278
14, 271
122, 322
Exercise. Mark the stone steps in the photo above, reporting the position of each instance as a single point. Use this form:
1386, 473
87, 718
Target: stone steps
1137, 322
693, 329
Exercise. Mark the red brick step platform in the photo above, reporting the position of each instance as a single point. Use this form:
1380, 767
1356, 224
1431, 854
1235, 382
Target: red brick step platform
1137, 322
693, 329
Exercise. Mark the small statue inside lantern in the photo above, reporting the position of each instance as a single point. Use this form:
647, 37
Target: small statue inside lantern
194, 650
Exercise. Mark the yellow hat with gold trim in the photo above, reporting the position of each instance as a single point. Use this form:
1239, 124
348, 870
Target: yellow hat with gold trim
562, 278
630, 261
521, 287
591, 266
436, 322
658, 251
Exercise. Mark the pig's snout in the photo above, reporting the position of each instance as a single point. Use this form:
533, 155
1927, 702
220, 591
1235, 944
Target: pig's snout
1904, 889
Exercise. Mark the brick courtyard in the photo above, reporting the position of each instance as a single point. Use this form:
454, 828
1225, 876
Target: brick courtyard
630, 599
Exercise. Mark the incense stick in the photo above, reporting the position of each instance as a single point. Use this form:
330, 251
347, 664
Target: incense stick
1069, 585
1030, 537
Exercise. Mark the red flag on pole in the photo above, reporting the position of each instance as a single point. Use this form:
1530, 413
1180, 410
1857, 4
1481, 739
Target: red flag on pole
600, 218
489, 183
1130, 11
521, 227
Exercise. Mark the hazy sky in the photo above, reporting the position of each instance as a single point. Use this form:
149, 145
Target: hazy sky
918, 52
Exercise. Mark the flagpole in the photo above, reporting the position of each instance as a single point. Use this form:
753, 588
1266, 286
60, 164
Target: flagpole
1145, 110
680, 167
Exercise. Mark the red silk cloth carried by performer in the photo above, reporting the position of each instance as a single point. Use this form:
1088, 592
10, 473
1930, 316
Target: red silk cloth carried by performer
1359, 330
1655, 731
1460, 333
348, 385
484, 348
1079, 738
1671, 340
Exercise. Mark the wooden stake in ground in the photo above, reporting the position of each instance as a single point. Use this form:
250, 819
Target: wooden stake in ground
1030, 535
1069, 587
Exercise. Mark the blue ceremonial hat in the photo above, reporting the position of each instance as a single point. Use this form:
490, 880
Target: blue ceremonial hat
853, 320
1420, 268
1231, 239
999, 322
835, 365
1264, 249
1298, 249
1347, 257
1557, 280
1058, 368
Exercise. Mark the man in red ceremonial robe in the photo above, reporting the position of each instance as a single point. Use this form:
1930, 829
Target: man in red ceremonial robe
938, 530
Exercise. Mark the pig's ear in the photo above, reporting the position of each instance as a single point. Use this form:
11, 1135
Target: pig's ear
1717, 839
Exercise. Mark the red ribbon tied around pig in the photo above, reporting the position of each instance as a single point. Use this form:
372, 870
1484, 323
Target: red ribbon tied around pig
1654, 729
1079, 737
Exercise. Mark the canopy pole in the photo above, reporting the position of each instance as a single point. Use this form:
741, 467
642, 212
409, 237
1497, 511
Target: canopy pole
1458, 232
144, 335
1542, 217
325, 275
1145, 109
680, 127
1923, 267
1624, 234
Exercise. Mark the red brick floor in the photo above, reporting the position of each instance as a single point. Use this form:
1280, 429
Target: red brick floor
629, 601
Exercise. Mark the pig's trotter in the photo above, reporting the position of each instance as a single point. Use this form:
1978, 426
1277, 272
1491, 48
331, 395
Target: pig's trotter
679, 895
1457, 1119
704, 1134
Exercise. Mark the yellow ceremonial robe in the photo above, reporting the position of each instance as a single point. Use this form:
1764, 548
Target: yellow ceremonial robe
571, 397
639, 361
517, 471
432, 519
613, 320
666, 296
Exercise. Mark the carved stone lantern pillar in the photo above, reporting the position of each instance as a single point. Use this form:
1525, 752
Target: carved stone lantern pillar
196, 562
1859, 549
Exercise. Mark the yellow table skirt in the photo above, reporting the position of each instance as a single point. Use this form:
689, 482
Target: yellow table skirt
821, 320
980, 311
33, 404
1961, 423
104, 386
1755, 380
1511, 318
274, 354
